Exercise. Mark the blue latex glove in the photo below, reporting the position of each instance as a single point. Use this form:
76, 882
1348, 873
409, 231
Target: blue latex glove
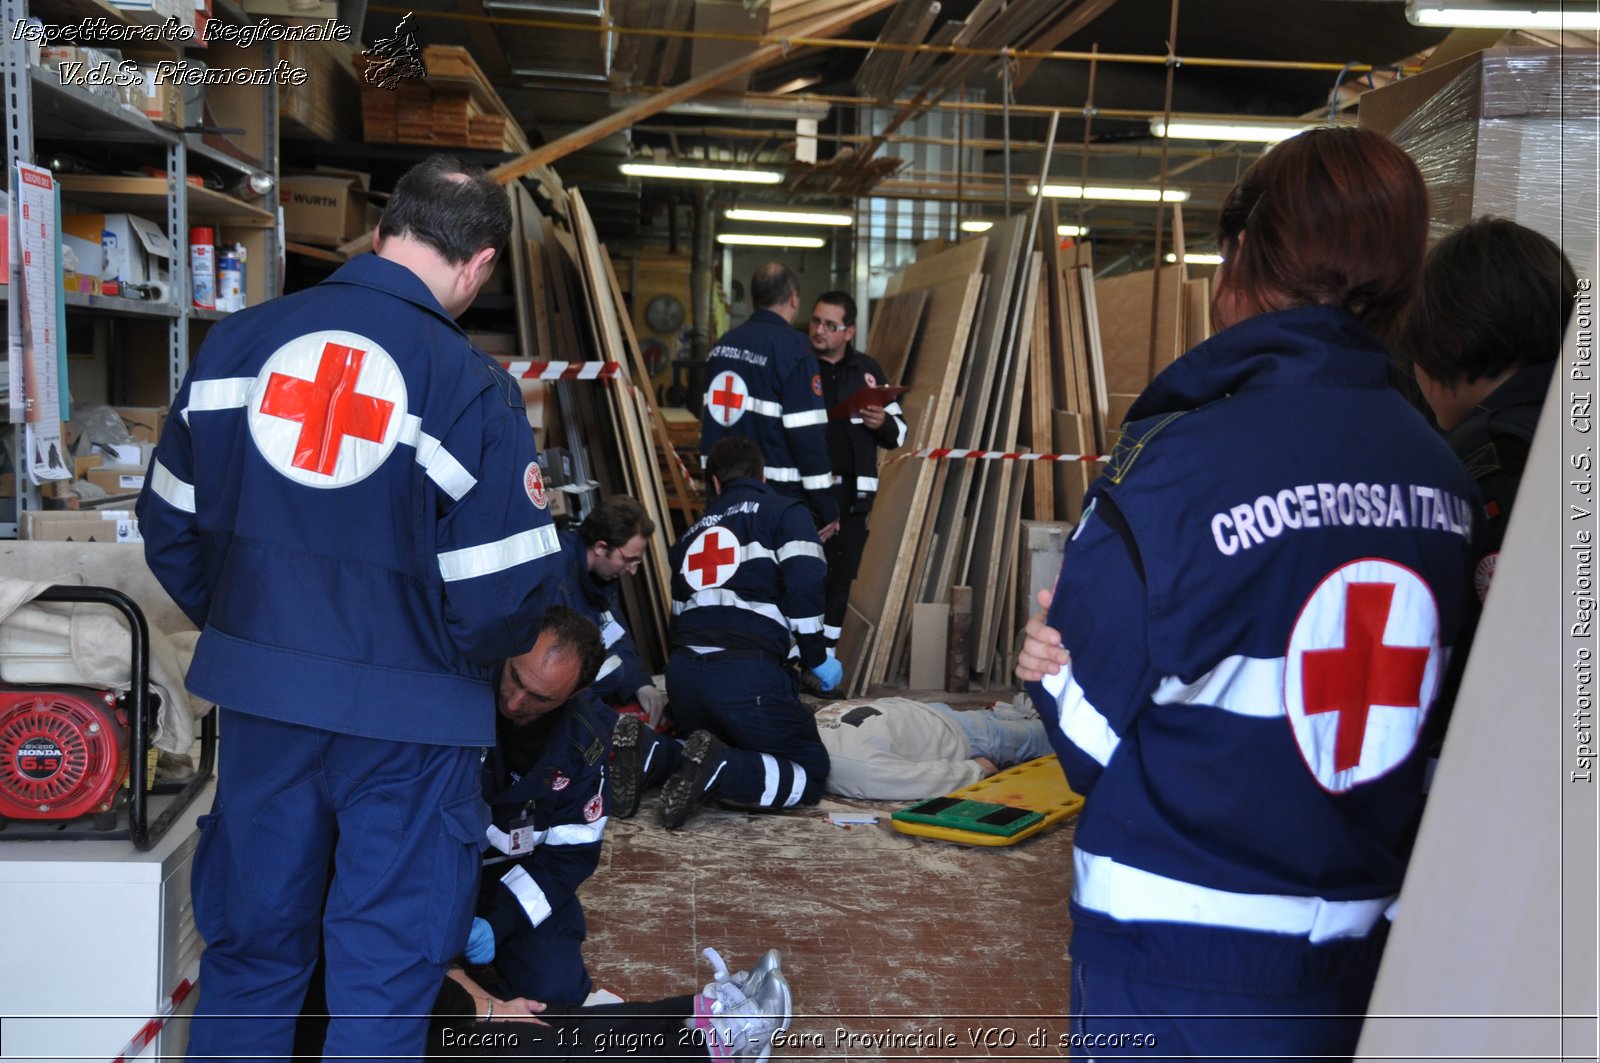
830, 673
480, 943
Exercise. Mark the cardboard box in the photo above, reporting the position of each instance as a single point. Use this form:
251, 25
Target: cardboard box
133, 250
135, 453
144, 423
327, 208
160, 101
117, 479
80, 526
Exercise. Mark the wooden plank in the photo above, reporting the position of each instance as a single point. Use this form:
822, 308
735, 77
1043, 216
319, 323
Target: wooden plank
1196, 312
903, 486
617, 121
1041, 387
1072, 478
997, 512
1124, 319
855, 635
959, 260
894, 332
641, 374
930, 625
1103, 432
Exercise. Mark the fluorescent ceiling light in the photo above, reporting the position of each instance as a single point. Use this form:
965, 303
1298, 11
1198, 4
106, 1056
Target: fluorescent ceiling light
1569, 15
752, 240
1217, 129
1197, 258
701, 173
983, 225
1128, 195
787, 217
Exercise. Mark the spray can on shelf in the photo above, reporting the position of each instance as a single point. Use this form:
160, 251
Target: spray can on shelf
230, 282
202, 267
244, 274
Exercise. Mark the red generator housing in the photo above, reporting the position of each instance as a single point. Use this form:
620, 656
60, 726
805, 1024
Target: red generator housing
63, 752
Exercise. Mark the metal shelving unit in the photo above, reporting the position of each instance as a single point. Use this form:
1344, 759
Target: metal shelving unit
38, 104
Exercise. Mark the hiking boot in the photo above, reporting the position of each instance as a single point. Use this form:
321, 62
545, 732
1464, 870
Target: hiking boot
627, 774
703, 758
744, 1022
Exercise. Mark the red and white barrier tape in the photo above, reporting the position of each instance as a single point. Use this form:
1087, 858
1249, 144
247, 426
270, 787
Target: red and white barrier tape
563, 370
150, 1030
954, 454
580, 371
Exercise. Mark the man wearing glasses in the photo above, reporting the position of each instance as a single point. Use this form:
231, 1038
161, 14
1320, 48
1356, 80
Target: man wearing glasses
763, 384
853, 445
612, 540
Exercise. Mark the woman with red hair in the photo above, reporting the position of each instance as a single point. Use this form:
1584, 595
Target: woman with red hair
1249, 630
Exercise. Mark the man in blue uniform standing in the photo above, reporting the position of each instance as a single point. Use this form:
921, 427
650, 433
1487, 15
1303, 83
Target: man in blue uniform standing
612, 541
347, 503
746, 592
853, 444
763, 384
545, 781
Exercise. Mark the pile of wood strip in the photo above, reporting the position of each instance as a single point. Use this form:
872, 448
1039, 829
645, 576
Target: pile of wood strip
606, 433
1009, 348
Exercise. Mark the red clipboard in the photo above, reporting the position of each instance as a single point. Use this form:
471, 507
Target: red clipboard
874, 395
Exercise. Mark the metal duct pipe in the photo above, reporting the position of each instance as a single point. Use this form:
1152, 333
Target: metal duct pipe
702, 272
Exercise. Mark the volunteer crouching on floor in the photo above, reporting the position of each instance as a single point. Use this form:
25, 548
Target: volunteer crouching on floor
746, 588
346, 503
545, 781
1259, 603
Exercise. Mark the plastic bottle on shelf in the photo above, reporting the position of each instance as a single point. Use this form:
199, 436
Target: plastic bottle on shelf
230, 283
202, 267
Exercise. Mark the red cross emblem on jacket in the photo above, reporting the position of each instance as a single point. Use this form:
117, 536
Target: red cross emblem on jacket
330, 409
712, 559
1362, 670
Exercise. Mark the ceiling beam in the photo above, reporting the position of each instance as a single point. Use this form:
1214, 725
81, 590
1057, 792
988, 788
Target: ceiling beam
614, 123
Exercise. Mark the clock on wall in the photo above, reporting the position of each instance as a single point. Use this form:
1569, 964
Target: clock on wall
664, 313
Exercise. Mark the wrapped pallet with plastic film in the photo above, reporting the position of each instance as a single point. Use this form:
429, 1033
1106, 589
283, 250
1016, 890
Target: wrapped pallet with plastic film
1512, 132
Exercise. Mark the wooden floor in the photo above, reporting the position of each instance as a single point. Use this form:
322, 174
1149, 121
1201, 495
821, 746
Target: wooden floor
956, 952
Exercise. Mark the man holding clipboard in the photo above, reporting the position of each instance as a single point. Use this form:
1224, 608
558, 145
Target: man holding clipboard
863, 415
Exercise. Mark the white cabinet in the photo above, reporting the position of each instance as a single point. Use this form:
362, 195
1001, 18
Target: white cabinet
98, 937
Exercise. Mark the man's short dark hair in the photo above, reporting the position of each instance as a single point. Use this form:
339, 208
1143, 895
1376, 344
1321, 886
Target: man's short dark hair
774, 284
1494, 295
843, 302
573, 633
456, 210
615, 521
735, 458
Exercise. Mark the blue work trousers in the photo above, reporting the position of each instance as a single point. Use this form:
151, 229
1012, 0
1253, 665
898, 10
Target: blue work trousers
777, 759
1117, 1016
401, 826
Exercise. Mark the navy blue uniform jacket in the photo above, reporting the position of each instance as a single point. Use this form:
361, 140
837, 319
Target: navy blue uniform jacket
346, 502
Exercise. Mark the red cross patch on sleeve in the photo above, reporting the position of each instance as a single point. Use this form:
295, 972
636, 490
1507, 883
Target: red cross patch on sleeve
816, 385
592, 810
533, 483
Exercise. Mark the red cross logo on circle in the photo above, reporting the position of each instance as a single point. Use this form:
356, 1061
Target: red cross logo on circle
327, 408
727, 398
715, 551
1364, 672
1361, 670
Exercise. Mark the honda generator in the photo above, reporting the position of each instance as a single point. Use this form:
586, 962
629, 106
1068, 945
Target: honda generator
71, 752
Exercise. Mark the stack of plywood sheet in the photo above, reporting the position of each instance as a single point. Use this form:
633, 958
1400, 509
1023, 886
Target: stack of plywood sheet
1007, 360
